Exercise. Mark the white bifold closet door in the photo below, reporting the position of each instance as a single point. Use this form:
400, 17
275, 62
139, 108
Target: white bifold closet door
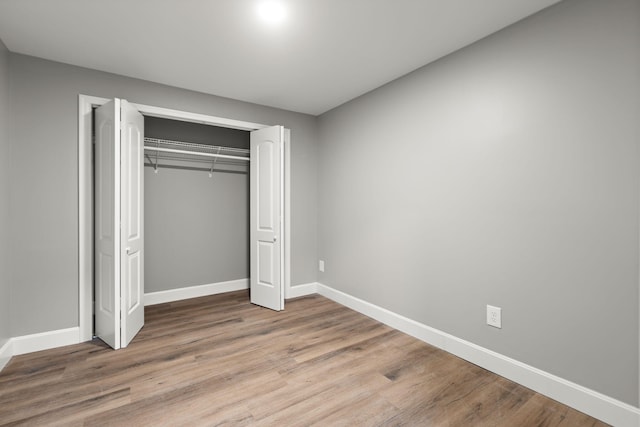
119, 227
266, 217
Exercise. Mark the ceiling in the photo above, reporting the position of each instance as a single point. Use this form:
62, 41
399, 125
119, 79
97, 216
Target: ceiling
324, 53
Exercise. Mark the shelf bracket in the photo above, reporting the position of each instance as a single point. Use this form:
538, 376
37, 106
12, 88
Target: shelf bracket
155, 165
213, 164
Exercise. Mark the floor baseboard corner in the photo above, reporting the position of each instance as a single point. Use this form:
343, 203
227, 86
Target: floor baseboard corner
6, 352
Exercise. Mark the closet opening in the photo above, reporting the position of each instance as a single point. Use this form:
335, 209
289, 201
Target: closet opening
199, 205
196, 208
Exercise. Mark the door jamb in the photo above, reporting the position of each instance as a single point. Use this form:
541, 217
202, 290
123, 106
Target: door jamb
85, 195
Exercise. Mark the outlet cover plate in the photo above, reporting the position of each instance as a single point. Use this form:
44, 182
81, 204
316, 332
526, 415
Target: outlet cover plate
321, 266
494, 316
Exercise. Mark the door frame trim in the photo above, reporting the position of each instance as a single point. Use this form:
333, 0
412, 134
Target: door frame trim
85, 194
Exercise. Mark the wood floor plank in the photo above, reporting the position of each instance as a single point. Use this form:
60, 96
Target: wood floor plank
65, 415
542, 411
220, 360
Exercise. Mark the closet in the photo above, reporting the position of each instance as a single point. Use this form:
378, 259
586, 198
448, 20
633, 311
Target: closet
179, 204
196, 206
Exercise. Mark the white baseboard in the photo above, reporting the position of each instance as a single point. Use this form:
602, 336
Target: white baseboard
171, 295
52, 339
6, 352
45, 340
598, 405
301, 290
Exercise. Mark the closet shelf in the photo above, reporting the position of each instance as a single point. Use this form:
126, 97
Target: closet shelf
164, 149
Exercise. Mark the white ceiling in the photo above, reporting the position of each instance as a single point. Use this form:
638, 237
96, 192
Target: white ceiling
325, 53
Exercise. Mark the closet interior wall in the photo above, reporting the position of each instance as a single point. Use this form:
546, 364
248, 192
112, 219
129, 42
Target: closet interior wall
196, 222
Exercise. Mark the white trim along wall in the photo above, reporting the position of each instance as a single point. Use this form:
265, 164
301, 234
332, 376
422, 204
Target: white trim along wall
590, 402
178, 294
85, 208
62, 337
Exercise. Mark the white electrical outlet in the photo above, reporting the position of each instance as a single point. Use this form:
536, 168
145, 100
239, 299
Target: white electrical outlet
321, 266
494, 316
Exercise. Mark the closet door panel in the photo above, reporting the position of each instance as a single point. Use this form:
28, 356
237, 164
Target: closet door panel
266, 217
265, 261
132, 227
107, 233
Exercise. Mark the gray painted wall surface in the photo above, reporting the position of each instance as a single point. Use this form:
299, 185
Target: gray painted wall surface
196, 227
44, 240
5, 274
507, 174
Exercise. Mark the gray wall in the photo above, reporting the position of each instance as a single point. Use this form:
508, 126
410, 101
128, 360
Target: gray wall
196, 226
506, 174
5, 274
44, 125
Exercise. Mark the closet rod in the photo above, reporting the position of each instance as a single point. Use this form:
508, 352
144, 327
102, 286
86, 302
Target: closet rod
194, 153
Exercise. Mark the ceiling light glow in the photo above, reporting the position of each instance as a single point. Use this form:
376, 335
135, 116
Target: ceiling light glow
272, 12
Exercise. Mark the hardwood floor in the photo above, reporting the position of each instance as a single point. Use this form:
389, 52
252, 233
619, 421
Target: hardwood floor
219, 360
